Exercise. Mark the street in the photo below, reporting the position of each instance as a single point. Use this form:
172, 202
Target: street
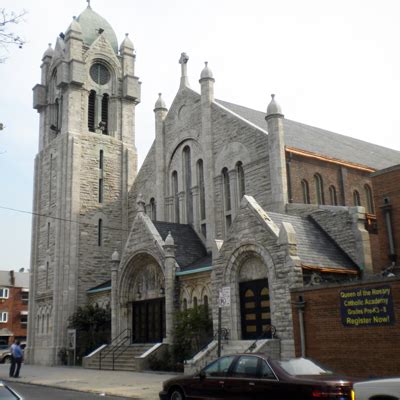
38, 392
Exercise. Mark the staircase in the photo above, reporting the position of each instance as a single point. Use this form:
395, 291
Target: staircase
118, 358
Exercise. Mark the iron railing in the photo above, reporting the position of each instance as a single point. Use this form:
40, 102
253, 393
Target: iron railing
115, 347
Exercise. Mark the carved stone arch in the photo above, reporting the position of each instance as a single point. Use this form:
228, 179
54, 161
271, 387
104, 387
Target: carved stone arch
205, 292
180, 143
128, 273
231, 277
184, 295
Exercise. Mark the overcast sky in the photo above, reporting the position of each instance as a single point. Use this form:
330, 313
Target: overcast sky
333, 64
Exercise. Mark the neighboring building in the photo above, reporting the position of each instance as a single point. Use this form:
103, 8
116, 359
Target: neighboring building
387, 203
227, 198
14, 296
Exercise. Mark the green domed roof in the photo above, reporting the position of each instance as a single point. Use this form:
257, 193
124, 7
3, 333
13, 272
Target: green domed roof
90, 23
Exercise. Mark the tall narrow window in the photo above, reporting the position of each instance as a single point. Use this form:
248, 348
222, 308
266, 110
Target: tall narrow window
202, 197
99, 232
370, 200
195, 302
48, 234
50, 177
306, 191
101, 190
240, 180
56, 127
187, 173
104, 114
47, 274
92, 111
227, 189
153, 212
319, 189
356, 198
101, 159
175, 194
332, 195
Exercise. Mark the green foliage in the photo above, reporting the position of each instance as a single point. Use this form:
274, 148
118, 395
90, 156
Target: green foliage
193, 330
162, 363
93, 327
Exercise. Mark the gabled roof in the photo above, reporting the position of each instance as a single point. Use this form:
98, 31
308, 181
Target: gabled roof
315, 248
190, 251
322, 142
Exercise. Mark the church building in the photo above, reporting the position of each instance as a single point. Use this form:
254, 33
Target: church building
232, 207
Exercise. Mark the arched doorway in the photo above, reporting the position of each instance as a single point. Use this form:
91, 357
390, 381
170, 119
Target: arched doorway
142, 293
254, 299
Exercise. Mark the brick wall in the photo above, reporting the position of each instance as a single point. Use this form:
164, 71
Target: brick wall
363, 351
386, 186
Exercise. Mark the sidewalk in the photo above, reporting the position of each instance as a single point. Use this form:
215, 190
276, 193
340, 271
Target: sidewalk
136, 385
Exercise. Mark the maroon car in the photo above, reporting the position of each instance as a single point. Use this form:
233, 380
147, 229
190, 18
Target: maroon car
255, 377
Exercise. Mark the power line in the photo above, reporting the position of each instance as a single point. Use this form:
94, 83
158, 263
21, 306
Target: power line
62, 219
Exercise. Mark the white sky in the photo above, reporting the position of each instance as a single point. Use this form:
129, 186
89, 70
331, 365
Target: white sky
333, 64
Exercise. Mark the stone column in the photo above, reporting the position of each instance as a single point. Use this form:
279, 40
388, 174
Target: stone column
114, 294
169, 272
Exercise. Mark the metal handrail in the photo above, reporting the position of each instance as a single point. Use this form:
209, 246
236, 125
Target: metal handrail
121, 345
117, 341
264, 335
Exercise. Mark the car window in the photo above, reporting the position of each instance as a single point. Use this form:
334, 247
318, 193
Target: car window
246, 367
219, 367
266, 371
302, 366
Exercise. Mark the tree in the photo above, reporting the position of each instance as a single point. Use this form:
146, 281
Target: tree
7, 37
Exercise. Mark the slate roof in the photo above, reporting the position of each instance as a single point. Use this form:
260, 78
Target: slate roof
190, 251
315, 248
322, 142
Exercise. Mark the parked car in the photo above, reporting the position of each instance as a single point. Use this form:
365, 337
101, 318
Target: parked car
5, 353
7, 393
255, 377
379, 389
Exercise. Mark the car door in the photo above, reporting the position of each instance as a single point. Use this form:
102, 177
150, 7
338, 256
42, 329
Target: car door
211, 381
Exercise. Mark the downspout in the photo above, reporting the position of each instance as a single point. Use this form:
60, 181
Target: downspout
300, 305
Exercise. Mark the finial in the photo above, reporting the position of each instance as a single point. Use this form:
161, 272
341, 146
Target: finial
115, 256
206, 73
183, 61
160, 104
273, 109
88, 3
140, 203
169, 240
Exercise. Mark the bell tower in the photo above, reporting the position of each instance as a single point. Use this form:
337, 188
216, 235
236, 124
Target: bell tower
84, 169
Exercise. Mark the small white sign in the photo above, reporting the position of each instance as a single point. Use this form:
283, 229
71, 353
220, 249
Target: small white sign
71, 339
224, 298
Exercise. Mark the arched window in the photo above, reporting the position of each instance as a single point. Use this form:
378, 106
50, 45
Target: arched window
240, 180
195, 302
175, 193
100, 232
319, 189
370, 200
356, 198
104, 114
187, 173
184, 304
153, 212
227, 189
205, 301
202, 197
306, 191
332, 195
92, 111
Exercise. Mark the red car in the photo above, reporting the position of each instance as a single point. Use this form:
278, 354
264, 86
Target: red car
255, 377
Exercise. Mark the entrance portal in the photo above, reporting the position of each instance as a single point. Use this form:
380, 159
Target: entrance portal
255, 311
148, 321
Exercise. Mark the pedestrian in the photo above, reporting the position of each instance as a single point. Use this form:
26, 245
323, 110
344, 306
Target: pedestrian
18, 356
12, 365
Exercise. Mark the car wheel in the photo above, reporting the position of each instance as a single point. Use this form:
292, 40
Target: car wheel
176, 394
7, 360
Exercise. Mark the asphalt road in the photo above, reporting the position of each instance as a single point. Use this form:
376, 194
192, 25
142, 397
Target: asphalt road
38, 392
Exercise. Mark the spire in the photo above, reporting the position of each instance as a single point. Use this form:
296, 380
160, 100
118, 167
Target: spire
160, 104
183, 61
126, 45
274, 109
74, 30
206, 73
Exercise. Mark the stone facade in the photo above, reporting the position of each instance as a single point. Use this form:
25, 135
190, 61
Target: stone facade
217, 203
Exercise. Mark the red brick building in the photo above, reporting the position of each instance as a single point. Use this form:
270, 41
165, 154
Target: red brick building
387, 200
14, 296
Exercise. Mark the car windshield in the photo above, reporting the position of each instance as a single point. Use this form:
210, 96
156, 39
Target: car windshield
302, 366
